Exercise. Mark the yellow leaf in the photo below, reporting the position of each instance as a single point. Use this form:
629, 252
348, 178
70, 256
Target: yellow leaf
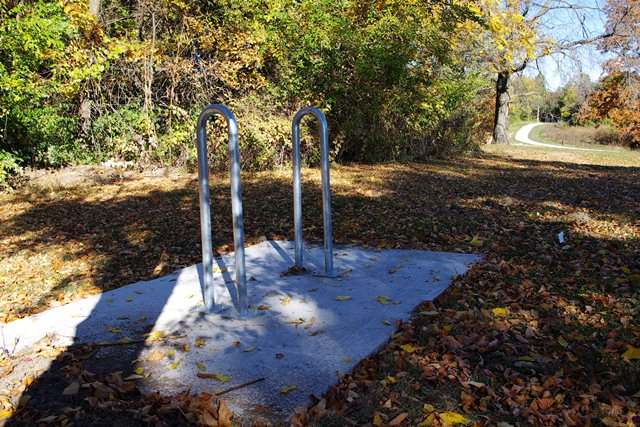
390, 380
383, 299
476, 241
343, 298
377, 421
115, 330
186, 348
264, 307
500, 312
409, 348
453, 418
214, 376
5, 414
286, 300
563, 342
288, 389
200, 342
139, 371
632, 353
201, 366
156, 336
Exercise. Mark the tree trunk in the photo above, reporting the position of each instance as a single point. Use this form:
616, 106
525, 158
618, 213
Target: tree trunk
501, 118
94, 7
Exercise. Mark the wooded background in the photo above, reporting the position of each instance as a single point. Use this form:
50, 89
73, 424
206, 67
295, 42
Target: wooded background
86, 81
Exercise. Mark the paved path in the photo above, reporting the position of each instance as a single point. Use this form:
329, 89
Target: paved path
522, 136
303, 330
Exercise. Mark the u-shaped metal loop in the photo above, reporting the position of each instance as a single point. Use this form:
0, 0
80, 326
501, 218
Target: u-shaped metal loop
208, 291
326, 189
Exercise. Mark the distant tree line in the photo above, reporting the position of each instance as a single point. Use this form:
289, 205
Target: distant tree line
612, 104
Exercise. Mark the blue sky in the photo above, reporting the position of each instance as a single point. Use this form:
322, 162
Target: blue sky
564, 25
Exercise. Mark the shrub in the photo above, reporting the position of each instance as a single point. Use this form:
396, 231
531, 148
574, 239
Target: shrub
9, 166
124, 134
606, 135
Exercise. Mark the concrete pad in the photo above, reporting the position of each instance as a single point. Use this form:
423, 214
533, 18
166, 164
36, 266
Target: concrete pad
302, 331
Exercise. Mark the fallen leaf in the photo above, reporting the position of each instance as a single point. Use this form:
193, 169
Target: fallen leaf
399, 419
286, 300
382, 299
500, 312
288, 389
409, 348
71, 389
214, 376
156, 336
390, 380
476, 241
263, 307
453, 418
632, 353
200, 342
428, 408
155, 355
343, 298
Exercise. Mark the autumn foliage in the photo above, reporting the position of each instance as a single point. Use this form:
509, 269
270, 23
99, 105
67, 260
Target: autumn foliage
617, 101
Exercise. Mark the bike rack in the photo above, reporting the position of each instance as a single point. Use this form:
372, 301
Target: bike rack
326, 190
208, 291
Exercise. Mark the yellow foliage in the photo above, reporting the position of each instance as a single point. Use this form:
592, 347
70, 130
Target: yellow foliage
453, 418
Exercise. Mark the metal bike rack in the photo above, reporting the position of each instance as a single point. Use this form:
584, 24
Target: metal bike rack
326, 189
208, 291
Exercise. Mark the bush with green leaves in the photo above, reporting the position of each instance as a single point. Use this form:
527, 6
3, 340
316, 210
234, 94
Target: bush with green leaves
129, 83
39, 122
9, 166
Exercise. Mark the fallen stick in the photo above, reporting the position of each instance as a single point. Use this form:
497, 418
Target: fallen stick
237, 387
131, 342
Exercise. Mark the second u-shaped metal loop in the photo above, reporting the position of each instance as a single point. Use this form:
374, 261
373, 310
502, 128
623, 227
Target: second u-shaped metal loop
326, 189
208, 291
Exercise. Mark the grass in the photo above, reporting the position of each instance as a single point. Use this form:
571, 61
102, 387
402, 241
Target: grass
575, 136
536, 333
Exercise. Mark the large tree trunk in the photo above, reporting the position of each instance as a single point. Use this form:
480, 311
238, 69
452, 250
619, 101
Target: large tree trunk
501, 118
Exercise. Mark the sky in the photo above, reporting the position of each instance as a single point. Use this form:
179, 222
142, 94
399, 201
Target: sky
565, 25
